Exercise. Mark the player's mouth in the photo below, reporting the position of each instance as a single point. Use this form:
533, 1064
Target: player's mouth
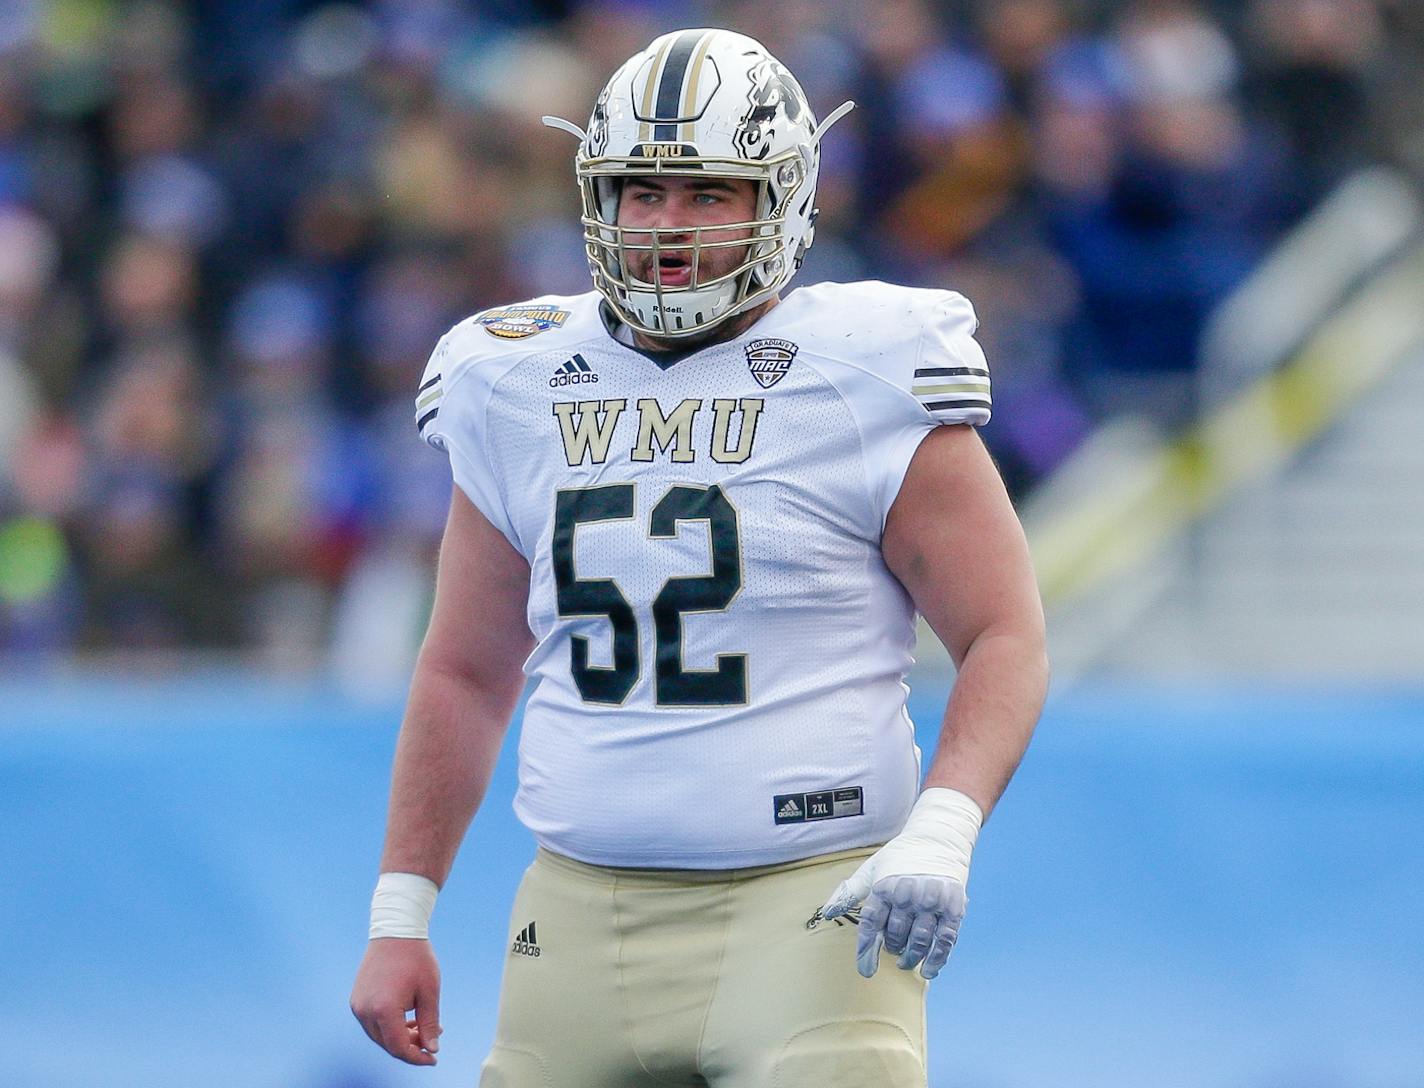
674, 271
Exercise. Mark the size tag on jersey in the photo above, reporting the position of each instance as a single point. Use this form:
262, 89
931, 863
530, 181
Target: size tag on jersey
799, 808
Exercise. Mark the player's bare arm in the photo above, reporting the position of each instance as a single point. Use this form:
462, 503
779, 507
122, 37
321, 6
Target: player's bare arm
955, 543
466, 684
953, 540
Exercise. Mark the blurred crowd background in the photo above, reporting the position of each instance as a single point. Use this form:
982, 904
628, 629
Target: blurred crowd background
231, 231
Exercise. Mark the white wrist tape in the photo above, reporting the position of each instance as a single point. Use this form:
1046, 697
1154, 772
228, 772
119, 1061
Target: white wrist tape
402, 905
946, 824
936, 841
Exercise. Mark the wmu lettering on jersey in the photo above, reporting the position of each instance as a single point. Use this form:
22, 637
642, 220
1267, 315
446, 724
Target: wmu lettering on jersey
588, 427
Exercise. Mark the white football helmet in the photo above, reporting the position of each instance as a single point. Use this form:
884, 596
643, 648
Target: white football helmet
699, 103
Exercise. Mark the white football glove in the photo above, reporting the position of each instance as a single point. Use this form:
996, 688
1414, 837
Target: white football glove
914, 885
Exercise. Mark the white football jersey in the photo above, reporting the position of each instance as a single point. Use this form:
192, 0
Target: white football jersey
721, 649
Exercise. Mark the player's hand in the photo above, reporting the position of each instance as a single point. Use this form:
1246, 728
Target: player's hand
913, 915
914, 887
397, 976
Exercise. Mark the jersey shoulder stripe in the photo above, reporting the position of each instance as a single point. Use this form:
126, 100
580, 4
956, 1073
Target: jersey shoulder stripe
431, 393
951, 376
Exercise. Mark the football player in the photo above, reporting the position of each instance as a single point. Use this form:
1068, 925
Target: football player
702, 516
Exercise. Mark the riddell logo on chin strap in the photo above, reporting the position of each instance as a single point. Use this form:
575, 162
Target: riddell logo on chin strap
575, 372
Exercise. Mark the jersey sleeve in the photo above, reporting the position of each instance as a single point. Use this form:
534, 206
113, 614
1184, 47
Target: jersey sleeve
934, 376
450, 413
951, 377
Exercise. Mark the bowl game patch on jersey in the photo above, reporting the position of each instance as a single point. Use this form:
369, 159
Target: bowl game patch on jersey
517, 322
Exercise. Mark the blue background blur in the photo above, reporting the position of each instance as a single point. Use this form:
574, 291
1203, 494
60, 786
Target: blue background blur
232, 232
1185, 886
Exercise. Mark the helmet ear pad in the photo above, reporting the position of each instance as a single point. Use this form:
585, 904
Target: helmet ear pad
768, 271
788, 196
609, 194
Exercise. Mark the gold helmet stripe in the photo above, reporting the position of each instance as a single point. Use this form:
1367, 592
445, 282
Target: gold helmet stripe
650, 89
689, 92
670, 87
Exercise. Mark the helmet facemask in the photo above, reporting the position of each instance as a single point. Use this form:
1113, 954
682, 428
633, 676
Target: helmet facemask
674, 311
707, 104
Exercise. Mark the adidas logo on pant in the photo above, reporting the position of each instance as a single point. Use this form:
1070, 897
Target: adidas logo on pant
526, 943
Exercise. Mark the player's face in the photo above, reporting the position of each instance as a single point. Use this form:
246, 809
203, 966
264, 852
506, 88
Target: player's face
680, 202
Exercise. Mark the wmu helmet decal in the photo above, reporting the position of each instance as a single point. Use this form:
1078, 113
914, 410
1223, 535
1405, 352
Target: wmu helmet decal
769, 359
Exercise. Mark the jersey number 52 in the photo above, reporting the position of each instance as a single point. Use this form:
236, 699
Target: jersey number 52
726, 685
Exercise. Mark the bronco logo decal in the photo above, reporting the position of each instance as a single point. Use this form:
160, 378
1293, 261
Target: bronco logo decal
773, 94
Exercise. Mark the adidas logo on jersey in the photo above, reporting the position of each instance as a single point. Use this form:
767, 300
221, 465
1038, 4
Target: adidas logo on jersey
526, 943
575, 372
833, 804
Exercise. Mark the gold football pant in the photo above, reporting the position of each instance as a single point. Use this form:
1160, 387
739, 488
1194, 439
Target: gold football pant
634, 978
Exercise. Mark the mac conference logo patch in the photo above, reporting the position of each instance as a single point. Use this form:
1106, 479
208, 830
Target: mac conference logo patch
770, 359
517, 322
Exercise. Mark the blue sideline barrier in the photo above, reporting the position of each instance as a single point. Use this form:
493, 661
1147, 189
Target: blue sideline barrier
1184, 887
